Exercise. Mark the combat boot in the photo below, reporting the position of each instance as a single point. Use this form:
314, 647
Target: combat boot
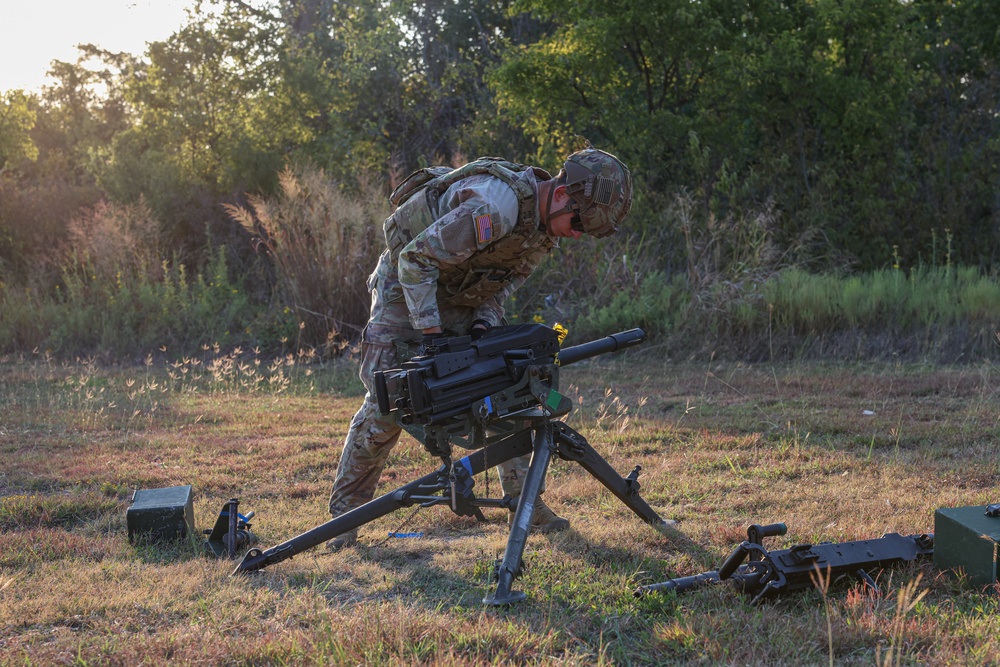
543, 520
343, 541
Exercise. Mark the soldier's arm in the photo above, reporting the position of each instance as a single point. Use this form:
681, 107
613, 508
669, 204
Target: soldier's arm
492, 310
473, 224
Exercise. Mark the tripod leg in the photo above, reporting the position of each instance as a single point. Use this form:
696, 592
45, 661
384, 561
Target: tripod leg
510, 566
574, 447
506, 449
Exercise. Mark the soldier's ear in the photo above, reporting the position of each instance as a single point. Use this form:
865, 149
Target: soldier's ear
559, 193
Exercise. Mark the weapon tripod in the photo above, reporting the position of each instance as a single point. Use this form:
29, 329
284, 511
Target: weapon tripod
536, 433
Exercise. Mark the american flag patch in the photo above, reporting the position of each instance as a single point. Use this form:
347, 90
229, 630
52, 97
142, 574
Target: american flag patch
484, 228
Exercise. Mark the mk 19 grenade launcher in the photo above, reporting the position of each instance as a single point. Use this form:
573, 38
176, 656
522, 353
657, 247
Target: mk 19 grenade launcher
462, 386
497, 395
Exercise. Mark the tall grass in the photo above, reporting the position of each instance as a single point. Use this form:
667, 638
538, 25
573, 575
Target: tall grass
928, 297
118, 295
939, 311
936, 313
323, 243
114, 289
736, 296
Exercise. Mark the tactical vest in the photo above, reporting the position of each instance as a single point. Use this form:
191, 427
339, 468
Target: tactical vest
484, 274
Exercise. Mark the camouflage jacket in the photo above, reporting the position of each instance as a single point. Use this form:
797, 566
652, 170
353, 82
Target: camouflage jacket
465, 264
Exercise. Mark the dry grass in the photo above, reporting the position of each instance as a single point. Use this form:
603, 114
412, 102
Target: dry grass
323, 243
721, 446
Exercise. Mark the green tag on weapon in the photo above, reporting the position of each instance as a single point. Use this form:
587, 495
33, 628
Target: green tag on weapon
553, 400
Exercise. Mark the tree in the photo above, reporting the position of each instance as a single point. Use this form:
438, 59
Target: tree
16, 121
955, 157
808, 110
80, 114
619, 74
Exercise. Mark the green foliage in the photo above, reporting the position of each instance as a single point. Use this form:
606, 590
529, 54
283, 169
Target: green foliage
202, 118
34, 222
949, 312
926, 298
762, 135
134, 317
80, 114
16, 120
117, 295
817, 111
658, 306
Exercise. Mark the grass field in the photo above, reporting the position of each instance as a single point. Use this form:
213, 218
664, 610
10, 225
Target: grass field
837, 452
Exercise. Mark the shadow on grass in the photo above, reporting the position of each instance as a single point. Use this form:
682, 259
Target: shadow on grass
167, 551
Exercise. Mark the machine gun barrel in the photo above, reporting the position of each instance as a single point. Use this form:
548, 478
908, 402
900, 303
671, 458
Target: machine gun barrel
618, 341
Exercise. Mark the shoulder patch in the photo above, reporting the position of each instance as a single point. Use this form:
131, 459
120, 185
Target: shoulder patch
484, 228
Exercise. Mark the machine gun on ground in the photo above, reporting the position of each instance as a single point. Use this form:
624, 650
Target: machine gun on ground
497, 395
768, 573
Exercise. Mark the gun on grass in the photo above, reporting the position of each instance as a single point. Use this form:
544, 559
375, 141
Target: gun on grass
498, 396
769, 573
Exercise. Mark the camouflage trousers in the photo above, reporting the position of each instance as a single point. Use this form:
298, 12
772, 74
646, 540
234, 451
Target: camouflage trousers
372, 436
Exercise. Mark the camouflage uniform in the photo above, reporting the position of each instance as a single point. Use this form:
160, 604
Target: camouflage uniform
481, 246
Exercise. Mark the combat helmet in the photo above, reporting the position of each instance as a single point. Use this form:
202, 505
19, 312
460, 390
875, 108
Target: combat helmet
599, 186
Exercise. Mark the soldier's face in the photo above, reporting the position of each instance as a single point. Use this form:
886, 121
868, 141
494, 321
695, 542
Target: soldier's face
561, 225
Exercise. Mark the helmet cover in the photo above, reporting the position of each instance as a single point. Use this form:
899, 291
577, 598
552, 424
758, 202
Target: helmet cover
599, 186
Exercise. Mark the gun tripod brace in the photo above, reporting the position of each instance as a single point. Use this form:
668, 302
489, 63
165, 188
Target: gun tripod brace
545, 440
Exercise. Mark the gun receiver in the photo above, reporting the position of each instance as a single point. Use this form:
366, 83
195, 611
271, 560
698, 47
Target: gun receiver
465, 384
768, 573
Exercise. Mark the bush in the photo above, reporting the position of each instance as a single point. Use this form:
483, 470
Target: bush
323, 244
33, 225
658, 306
117, 296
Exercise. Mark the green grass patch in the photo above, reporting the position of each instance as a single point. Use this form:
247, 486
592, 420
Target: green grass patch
48, 511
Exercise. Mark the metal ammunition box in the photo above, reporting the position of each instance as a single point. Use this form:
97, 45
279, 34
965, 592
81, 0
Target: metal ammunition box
161, 514
966, 538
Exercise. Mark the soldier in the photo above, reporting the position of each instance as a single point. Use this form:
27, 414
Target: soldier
458, 244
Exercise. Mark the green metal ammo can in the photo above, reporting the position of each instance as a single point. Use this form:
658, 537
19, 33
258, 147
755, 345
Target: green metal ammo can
161, 514
967, 538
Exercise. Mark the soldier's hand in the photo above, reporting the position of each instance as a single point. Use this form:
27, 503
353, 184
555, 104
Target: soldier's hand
479, 329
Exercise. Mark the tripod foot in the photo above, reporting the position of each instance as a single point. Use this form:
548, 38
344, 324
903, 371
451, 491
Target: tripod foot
665, 526
499, 599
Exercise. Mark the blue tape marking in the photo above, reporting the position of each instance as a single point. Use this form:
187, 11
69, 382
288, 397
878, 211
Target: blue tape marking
465, 464
391, 534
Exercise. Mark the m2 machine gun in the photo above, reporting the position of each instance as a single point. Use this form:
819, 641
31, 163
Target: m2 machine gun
766, 574
497, 396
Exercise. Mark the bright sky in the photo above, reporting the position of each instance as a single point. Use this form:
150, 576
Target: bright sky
33, 33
